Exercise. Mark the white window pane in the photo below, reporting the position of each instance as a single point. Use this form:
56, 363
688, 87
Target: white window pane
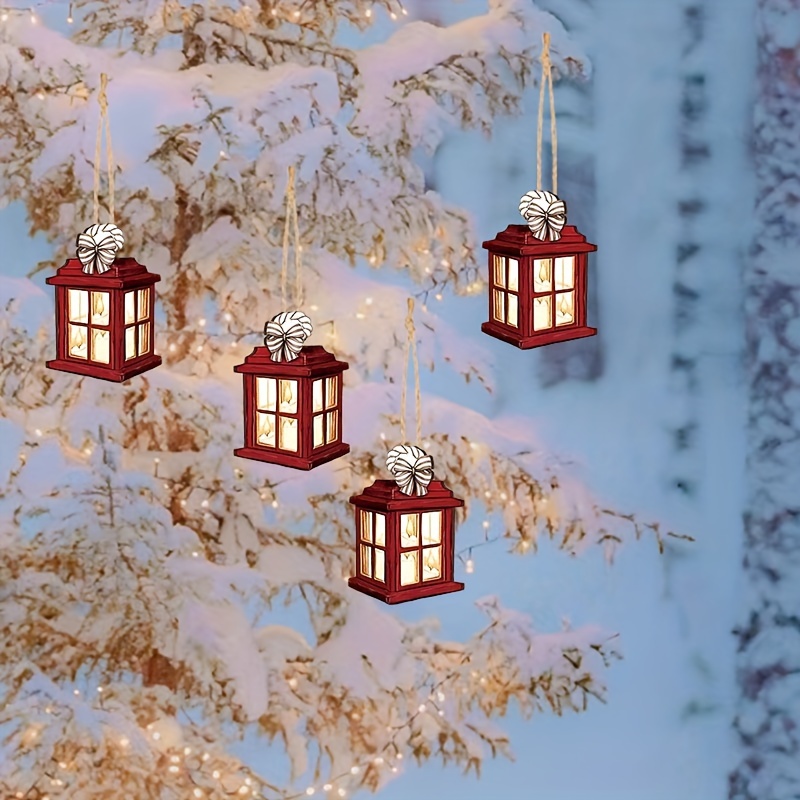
319, 433
101, 307
101, 346
409, 568
366, 525
144, 338
366, 560
77, 342
288, 396
265, 430
409, 530
266, 394
513, 274
431, 527
130, 307
316, 395
380, 565
542, 274
143, 297
541, 313
565, 308
333, 426
431, 563
130, 343
565, 272
288, 439
499, 271
380, 530
498, 306
78, 306
513, 311
331, 393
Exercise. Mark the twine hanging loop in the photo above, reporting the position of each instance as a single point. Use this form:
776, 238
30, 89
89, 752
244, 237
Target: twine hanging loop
103, 122
291, 225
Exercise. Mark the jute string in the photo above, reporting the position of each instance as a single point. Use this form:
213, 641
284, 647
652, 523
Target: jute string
102, 121
291, 222
547, 78
410, 349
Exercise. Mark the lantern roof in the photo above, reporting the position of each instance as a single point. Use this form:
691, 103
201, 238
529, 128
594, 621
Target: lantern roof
312, 361
124, 273
518, 240
386, 495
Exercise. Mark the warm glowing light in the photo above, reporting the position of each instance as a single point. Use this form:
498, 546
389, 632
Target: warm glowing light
33, 17
174, 759
310, 791
470, 566
228, 317
341, 792
359, 315
70, 20
377, 760
198, 792
440, 696
4, 17
485, 524
327, 787
206, 756
422, 708
201, 322
76, 692
215, 774
62, 764
399, 756
292, 683
174, 769
368, 301
438, 296
274, 503
354, 770
172, 348
156, 735
124, 741
368, 13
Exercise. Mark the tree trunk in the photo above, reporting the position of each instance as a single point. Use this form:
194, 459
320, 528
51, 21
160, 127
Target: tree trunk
768, 715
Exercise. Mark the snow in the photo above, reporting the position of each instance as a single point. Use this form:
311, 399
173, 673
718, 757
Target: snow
672, 613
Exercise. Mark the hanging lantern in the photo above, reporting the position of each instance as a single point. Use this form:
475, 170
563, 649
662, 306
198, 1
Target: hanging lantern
537, 272
292, 398
537, 277
104, 310
405, 543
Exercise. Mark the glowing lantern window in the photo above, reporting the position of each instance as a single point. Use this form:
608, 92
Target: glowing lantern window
405, 543
104, 312
292, 398
538, 287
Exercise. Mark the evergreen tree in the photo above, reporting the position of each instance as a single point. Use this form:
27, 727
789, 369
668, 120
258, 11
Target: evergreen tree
142, 564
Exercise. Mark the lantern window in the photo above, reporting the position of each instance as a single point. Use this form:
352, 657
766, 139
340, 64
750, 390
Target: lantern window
325, 410
138, 321
553, 292
276, 413
505, 290
420, 547
88, 325
372, 545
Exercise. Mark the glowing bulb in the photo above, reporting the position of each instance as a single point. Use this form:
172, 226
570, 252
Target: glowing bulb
327, 787
485, 524
354, 770
204, 504
470, 566
314, 307
440, 696
48, 710
438, 296
399, 756
292, 683
368, 13
195, 554
392, 15
40, 95
422, 709
201, 322
76, 692
368, 301
377, 760
223, 154
394, 769
198, 792
156, 735
172, 348
99, 688
199, 348
62, 764
228, 317
274, 503
70, 20
526, 544
341, 792
38, 432
174, 768
33, 17
310, 791
4, 17
156, 460
243, 790
215, 774
359, 315
297, 15
404, 10
206, 756
124, 741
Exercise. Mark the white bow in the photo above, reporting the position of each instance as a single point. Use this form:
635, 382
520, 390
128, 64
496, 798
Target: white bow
285, 334
98, 246
545, 214
412, 469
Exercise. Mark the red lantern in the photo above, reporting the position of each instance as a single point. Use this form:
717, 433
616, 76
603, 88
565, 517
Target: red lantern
537, 289
292, 398
104, 310
405, 543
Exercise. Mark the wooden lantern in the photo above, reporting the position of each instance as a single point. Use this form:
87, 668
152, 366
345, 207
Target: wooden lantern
292, 408
104, 318
537, 288
405, 543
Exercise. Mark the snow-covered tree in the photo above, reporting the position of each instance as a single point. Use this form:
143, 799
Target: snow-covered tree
768, 718
142, 565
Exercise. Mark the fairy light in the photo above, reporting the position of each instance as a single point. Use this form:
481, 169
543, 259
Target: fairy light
368, 13
4, 18
38, 432
310, 791
422, 709
215, 774
292, 683
327, 787
172, 348
124, 741
34, 20
341, 792
274, 503
469, 566
486, 524
198, 792
228, 316
156, 735
201, 322
439, 296
354, 770
76, 692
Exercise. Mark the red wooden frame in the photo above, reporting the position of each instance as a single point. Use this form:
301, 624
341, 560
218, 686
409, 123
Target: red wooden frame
384, 497
313, 363
125, 275
517, 242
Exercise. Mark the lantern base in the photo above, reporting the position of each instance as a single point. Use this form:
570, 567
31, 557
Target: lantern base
104, 373
289, 460
537, 339
404, 595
